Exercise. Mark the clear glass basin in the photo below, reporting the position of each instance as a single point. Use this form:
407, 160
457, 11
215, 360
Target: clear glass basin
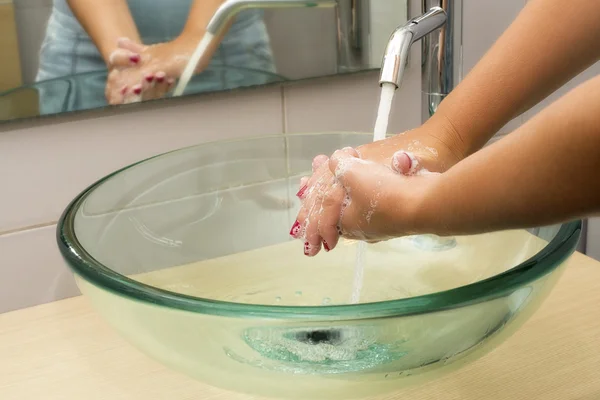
85, 91
188, 256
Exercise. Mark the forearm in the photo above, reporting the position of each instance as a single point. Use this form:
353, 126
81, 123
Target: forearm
547, 45
201, 12
547, 171
105, 21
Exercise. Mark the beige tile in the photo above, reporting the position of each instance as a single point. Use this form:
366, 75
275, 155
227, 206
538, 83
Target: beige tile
349, 103
32, 270
483, 23
303, 41
44, 166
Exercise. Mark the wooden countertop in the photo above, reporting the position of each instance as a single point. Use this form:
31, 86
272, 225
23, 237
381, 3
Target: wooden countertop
64, 351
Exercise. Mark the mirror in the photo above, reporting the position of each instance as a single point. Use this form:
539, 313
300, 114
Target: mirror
61, 56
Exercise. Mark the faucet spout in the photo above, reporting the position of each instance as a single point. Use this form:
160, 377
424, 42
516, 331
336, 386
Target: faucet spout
396, 52
230, 8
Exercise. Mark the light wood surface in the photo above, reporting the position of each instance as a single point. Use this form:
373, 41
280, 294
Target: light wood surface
65, 351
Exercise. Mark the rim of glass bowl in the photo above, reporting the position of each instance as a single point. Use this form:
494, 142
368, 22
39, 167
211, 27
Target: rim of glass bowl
84, 265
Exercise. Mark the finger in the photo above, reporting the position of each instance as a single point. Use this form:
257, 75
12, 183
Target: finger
161, 85
330, 215
134, 95
321, 170
115, 89
159, 89
313, 240
342, 165
302, 190
405, 163
170, 84
148, 86
128, 44
304, 181
318, 161
309, 194
122, 58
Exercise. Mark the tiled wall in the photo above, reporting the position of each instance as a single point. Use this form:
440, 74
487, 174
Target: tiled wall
44, 165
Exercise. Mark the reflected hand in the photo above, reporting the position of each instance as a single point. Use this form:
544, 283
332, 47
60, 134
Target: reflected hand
411, 153
149, 78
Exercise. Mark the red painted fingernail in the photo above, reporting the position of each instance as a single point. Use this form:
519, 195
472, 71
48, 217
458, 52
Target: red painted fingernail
326, 246
160, 79
301, 192
137, 90
295, 229
149, 78
306, 248
134, 59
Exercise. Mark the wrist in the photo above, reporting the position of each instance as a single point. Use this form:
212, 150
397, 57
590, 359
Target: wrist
184, 47
442, 128
418, 211
430, 211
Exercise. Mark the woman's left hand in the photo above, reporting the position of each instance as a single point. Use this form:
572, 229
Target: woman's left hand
379, 202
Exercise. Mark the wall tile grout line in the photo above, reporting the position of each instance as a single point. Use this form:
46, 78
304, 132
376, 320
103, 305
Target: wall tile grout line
27, 228
284, 119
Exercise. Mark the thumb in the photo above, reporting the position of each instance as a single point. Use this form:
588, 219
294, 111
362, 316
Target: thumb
343, 164
128, 44
407, 163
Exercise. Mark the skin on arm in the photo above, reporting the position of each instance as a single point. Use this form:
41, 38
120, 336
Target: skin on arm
547, 45
105, 22
547, 171
538, 53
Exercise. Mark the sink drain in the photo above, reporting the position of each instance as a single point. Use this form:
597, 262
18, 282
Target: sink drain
318, 350
319, 336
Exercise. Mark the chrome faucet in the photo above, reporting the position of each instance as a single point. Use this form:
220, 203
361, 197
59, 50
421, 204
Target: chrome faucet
230, 8
350, 48
441, 52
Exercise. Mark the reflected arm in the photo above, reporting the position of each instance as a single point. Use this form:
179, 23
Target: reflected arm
105, 21
200, 14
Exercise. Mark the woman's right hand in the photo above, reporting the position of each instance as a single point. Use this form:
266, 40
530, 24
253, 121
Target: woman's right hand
433, 147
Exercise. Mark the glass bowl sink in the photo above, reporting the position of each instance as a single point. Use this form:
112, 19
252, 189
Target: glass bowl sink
188, 256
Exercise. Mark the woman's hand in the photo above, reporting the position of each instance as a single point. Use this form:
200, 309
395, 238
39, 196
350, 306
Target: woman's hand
432, 147
139, 72
378, 203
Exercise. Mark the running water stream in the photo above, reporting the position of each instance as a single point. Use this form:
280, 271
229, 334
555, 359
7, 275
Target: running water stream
188, 72
379, 133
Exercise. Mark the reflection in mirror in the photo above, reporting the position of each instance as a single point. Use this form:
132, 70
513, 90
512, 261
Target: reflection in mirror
70, 55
